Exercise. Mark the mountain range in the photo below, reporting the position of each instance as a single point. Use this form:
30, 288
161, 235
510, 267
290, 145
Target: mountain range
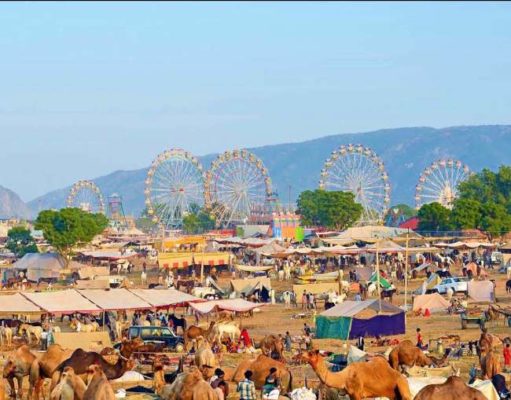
295, 167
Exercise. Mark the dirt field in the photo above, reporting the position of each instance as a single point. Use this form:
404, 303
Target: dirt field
277, 320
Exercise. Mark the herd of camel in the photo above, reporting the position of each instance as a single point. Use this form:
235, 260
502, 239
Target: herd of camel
82, 375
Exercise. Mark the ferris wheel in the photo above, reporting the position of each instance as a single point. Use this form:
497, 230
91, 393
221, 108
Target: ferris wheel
86, 196
439, 182
174, 183
357, 169
237, 185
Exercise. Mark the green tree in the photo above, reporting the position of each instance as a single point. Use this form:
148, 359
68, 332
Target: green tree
69, 227
466, 213
20, 241
399, 213
495, 220
335, 209
198, 220
434, 217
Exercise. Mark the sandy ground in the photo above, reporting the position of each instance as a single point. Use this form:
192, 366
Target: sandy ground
275, 319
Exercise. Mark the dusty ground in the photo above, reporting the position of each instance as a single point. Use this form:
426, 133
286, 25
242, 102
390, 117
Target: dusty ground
276, 319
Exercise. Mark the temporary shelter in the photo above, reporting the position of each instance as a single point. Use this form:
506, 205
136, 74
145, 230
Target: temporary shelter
481, 291
62, 302
434, 302
41, 265
249, 286
237, 305
164, 297
253, 268
352, 319
17, 304
383, 282
115, 299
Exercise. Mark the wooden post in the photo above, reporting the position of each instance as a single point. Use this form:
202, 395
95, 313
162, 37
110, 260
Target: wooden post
202, 267
406, 273
378, 285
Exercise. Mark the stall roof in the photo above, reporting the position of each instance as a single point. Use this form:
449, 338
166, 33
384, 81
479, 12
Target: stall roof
238, 305
40, 261
16, 303
115, 299
107, 254
164, 297
64, 301
248, 284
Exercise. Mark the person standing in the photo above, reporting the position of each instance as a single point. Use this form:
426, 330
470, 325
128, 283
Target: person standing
288, 342
304, 300
420, 340
246, 387
360, 343
507, 357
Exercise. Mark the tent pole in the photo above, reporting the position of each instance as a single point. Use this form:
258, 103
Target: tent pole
406, 273
378, 285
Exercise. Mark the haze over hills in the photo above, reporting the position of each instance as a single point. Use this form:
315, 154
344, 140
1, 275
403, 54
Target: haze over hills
405, 152
11, 205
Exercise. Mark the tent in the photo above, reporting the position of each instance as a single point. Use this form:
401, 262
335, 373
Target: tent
62, 302
17, 304
249, 285
41, 265
115, 299
383, 282
352, 319
164, 297
433, 302
481, 291
237, 305
253, 268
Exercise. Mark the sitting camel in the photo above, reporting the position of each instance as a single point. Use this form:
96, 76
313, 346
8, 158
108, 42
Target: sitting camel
272, 345
361, 380
205, 360
453, 389
189, 386
18, 365
70, 387
405, 354
260, 368
98, 387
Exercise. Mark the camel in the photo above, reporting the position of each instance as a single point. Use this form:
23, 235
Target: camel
271, 344
3, 391
490, 365
261, 368
70, 387
408, 355
205, 360
189, 386
44, 367
6, 332
193, 332
230, 328
453, 389
37, 331
360, 380
18, 366
98, 387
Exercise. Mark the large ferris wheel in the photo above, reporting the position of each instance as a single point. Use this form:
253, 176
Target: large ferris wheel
86, 196
174, 183
357, 169
236, 185
439, 183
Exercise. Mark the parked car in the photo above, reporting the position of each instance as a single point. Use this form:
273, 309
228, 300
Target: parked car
157, 334
457, 284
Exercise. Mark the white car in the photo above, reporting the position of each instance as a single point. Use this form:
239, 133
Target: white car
457, 284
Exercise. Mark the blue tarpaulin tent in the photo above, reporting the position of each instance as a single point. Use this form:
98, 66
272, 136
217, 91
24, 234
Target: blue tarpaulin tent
352, 319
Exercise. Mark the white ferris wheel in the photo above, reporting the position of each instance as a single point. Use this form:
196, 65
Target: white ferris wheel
86, 196
237, 185
357, 169
439, 183
174, 182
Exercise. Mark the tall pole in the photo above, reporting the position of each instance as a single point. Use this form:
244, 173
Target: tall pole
289, 197
406, 272
378, 274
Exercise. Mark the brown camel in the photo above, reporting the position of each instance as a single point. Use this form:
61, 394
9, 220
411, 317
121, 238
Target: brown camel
205, 360
408, 355
193, 332
189, 386
98, 387
81, 359
261, 368
70, 387
270, 345
490, 365
452, 389
47, 364
360, 380
18, 365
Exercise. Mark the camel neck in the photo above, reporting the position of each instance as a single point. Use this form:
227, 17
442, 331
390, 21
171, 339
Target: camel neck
327, 377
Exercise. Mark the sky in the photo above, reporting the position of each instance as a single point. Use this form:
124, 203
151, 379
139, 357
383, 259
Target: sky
90, 88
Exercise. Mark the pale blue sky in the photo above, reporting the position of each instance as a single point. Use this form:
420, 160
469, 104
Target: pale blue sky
88, 88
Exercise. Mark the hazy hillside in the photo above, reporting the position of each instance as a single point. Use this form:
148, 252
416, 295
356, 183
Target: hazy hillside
405, 151
11, 205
